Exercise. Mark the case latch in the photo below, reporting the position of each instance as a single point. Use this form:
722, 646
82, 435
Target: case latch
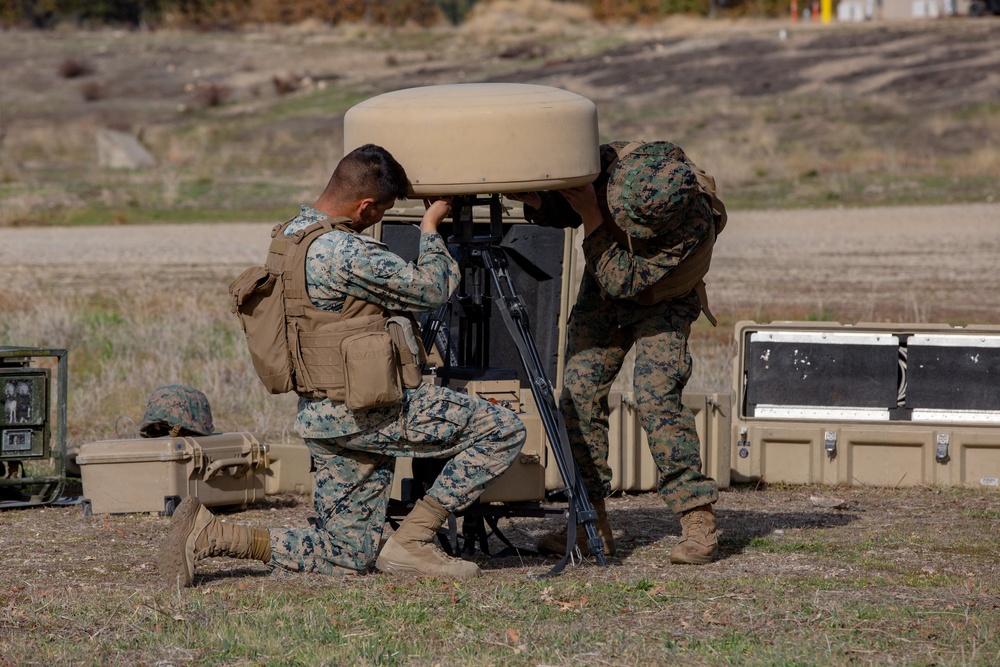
830, 443
941, 452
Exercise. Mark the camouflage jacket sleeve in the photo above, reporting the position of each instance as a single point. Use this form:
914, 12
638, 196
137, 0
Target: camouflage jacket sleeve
623, 273
366, 269
555, 211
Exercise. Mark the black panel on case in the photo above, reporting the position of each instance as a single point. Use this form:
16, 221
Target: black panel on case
536, 256
821, 374
952, 378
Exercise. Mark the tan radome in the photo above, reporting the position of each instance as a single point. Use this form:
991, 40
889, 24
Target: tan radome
482, 138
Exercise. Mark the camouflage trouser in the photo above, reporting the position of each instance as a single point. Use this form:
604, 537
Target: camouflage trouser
354, 475
601, 332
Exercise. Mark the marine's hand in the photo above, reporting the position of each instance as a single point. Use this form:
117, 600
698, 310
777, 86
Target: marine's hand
532, 199
437, 210
583, 199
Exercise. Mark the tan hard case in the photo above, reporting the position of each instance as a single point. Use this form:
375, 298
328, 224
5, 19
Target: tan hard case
524, 481
956, 448
632, 465
155, 474
289, 469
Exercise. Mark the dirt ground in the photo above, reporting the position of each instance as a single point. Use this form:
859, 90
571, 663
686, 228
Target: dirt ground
912, 553
906, 264
928, 64
657, 81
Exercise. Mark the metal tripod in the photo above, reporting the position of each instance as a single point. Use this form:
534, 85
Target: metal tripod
483, 251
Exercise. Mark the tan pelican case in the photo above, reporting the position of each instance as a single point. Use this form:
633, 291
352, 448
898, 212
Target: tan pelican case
289, 469
877, 404
524, 481
632, 465
155, 474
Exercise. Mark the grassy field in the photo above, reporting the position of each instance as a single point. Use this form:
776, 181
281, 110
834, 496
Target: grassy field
905, 576
242, 123
894, 576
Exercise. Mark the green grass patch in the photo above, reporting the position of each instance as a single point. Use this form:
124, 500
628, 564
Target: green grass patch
776, 545
988, 514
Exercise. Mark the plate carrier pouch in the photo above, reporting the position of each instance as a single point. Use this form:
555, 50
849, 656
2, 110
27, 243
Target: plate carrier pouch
296, 346
689, 273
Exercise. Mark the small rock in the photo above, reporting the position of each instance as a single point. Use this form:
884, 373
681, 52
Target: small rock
820, 501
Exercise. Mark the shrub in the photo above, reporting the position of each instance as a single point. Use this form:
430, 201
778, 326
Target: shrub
72, 68
92, 91
285, 83
212, 94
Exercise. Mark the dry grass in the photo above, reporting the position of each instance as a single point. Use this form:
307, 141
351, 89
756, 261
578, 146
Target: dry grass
128, 341
895, 577
72, 68
817, 119
126, 344
898, 576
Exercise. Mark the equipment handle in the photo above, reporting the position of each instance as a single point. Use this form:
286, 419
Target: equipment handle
239, 464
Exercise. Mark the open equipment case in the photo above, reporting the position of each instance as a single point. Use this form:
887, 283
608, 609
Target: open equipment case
32, 464
878, 404
473, 357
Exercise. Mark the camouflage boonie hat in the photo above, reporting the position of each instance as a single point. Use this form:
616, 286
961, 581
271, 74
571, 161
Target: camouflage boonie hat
176, 410
649, 188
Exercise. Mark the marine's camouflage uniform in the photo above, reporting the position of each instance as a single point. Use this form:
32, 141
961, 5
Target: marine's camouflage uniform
354, 451
603, 327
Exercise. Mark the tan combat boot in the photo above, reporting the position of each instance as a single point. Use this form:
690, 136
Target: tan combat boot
195, 533
411, 549
555, 542
699, 538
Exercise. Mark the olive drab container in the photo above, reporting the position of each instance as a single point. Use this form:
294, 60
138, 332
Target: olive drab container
156, 474
875, 404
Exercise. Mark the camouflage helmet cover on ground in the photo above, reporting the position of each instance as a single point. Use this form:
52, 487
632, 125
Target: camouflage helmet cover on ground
177, 410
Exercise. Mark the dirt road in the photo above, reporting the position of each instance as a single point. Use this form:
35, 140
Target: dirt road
921, 264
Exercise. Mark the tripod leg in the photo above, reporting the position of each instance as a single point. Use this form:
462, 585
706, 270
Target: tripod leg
581, 510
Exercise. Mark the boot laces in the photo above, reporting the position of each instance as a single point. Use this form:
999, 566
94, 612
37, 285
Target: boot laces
695, 524
208, 551
441, 553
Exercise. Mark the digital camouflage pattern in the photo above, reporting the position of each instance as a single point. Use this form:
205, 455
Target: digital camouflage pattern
601, 333
624, 272
341, 264
605, 323
353, 451
650, 189
354, 474
176, 410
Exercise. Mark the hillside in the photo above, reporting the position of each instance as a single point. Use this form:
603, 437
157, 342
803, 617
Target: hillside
243, 122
